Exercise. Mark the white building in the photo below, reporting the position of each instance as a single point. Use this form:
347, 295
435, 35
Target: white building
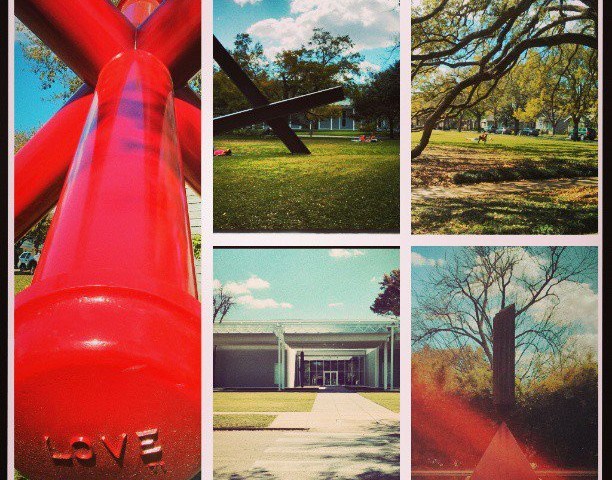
315, 354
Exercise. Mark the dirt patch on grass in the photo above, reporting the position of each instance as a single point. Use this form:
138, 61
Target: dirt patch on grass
439, 165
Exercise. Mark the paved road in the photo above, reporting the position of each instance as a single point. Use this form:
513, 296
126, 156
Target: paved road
423, 195
350, 437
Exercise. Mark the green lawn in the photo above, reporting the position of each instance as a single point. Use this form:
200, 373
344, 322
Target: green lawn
452, 159
342, 186
242, 421
571, 212
263, 401
22, 282
389, 400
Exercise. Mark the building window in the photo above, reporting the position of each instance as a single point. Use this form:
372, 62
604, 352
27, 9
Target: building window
344, 117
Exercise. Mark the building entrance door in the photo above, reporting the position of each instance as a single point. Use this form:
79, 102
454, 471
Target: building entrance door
331, 378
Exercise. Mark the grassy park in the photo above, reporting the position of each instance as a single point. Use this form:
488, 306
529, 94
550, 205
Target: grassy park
389, 400
22, 282
459, 186
342, 186
249, 403
263, 401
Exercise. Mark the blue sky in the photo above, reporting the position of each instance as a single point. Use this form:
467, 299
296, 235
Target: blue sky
33, 105
277, 24
578, 301
311, 284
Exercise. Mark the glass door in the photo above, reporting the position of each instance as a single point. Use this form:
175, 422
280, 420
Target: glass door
331, 379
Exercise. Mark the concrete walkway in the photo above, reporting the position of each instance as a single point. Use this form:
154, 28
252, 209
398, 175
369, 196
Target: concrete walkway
349, 437
422, 195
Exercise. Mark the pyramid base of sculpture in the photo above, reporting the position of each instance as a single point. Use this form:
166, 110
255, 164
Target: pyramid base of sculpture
504, 459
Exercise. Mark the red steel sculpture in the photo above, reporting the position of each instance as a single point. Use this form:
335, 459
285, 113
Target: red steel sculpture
107, 337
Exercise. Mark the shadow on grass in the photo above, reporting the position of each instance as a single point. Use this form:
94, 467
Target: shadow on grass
513, 214
528, 170
368, 455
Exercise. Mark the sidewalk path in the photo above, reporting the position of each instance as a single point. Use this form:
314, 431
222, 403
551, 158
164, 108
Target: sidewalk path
350, 437
424, 195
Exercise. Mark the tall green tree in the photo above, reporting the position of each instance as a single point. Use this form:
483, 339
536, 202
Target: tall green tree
323, 62
379, 99
388, 300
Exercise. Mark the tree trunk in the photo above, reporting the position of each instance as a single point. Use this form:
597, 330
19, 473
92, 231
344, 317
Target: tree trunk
516, 126
391, 126
576, 121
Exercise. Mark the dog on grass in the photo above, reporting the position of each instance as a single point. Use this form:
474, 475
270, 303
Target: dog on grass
480, 138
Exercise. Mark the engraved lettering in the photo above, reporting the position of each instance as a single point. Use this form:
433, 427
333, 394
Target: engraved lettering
82, 447
151, 454
118, 450
56, 456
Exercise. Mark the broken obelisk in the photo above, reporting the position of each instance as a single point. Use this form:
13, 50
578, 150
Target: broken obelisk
503, 458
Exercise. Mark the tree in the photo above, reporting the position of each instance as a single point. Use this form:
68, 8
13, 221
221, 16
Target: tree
379, 99
223, 301
477, 43
227, 98
388, 301
323, 62
464, 294
581, 82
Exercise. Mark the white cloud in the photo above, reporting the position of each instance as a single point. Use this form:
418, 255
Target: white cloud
216, 283
243, 291
242, 3
344, 253
375, 280
243, 288
336, 305
419, 260
370, 23
261, 303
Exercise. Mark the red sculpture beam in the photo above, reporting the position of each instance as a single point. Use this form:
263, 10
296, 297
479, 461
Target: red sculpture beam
38, 183
187, 105
173, 34
107, 337
85, 35
42, 163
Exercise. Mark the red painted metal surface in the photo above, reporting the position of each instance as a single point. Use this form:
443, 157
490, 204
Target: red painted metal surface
137, 11
38, 183
107, 338
85, 35
41, 164
188, 110
173, 35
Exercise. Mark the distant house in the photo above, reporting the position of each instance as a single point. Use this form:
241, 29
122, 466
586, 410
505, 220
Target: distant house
546, 126
344, 121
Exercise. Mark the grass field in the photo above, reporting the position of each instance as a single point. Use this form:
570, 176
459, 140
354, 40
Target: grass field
22, 282
389, 400
452, 160
241, 421
263, 401
342, 186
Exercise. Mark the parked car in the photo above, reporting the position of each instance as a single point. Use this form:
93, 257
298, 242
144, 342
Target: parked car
490, 129
587, 133
28, 262
530, 132
504, 131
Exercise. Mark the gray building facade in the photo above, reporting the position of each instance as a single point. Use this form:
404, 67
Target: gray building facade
290, 354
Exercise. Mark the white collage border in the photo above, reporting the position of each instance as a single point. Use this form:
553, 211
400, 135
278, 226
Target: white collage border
405, 240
